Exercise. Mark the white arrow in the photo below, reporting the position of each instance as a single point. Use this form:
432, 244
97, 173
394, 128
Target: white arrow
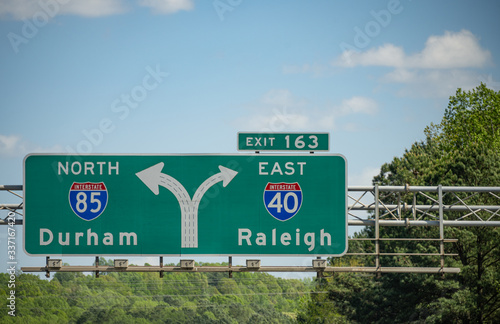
153, 178
225, 175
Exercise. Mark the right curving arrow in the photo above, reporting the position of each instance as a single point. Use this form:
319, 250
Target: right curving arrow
153, 178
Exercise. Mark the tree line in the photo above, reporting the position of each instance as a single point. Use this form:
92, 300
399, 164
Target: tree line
462, 150
134, 297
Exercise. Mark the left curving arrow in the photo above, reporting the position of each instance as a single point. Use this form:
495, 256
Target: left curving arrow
153, 178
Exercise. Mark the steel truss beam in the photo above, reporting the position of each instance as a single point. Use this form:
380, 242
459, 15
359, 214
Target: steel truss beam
423, 206
435, 270
381, 205
393, 207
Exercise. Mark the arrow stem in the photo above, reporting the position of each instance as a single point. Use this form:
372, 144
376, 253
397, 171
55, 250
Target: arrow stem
152, 178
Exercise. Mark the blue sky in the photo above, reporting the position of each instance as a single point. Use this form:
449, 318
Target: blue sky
184, 76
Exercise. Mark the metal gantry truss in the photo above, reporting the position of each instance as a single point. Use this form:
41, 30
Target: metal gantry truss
377, 206
391, 208
420, 206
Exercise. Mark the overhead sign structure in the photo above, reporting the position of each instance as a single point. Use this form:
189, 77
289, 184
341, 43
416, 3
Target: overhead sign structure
312, 142
290, 205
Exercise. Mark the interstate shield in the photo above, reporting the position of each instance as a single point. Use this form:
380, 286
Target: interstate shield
88, 199
283, 200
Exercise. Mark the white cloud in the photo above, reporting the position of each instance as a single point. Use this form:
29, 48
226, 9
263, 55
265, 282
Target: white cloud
448, 51
167, 6
14, 145
10, 145
432, 83
446, 62
385, 55
280, 97
400, 75
93, 8
19, 9
276, 121
358, 105
452, 50
29, 9
279, 110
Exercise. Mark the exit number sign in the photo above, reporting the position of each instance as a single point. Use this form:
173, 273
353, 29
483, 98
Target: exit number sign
283, 142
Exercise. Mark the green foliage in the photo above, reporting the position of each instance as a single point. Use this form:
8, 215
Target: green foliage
462, 150
146, 298
472, 117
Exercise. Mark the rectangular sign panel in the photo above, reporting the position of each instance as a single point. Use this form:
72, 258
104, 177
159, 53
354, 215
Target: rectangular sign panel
311, 142
185, 204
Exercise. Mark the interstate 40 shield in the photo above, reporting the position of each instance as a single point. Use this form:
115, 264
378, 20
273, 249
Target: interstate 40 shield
185, 204
283, 200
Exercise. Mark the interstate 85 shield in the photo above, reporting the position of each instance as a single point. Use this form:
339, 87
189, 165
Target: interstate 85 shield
88, 200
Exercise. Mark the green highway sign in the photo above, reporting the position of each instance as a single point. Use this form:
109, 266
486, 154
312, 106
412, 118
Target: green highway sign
191, 204
312, 142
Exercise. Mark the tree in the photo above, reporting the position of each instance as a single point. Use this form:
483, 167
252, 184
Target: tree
472, 117
132, 297
462, 150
